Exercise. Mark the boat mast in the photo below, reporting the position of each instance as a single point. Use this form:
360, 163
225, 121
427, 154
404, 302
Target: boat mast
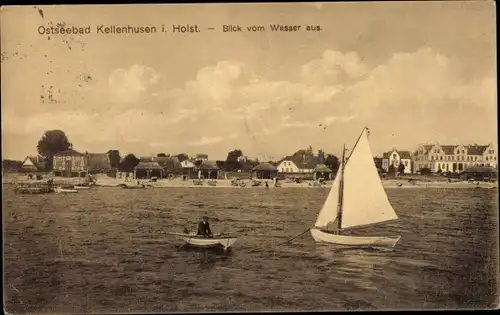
341, 192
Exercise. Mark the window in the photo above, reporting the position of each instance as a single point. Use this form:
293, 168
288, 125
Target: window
406, 163
441, 158
287, 169
282, 169
394, 156
486, 158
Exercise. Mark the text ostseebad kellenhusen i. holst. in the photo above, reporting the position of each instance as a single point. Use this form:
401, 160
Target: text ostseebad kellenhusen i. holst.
102, 29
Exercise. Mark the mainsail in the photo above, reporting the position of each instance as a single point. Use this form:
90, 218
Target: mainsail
364, 200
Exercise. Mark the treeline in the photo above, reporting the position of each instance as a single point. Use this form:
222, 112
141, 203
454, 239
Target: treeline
54, 141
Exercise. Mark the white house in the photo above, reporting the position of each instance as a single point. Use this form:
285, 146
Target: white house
395, 158
32, 163
490, 156
187, 164
455, 158
293, 165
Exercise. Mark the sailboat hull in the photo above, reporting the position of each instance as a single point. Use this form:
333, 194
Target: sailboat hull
364, 241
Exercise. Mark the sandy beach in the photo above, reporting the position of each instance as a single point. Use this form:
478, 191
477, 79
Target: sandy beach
105, 181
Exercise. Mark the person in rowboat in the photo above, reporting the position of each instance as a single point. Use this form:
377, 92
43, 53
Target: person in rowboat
204, 228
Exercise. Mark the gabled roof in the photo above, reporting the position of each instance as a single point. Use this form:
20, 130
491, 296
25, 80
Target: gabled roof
402, 154
189, 164
265, 167
309, 164
322, 168
476, 149
449, 149
33, 162
169, 162
69, 152
208, 165
428, 147
99, 161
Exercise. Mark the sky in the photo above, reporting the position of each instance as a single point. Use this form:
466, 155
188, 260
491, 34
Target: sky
413, 72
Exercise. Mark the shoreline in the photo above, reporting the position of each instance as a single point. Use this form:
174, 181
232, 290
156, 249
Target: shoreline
103, 181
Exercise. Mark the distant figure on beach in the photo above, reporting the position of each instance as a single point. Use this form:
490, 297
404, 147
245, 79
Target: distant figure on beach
267, 185
204, 228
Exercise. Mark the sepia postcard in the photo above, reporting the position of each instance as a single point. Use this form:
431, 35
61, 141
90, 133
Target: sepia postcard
249, 157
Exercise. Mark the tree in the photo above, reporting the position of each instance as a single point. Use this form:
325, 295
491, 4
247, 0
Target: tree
401, 168
220, 164
233, 156
233, 160
129, 162
321, 156
182, 157
332, 162
197, 163
114, 158
52, 142
162, 155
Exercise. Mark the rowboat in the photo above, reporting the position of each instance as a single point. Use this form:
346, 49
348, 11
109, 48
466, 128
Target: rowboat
81, 187
218, 240
64, 190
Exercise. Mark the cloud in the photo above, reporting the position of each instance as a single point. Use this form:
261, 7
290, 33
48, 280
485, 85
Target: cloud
412, 97
128, 85
332, 67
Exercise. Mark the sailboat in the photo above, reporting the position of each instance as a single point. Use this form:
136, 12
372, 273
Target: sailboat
357, 198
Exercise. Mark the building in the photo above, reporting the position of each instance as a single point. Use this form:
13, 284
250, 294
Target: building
265, 171
33, 164
454, 158
395, 158
187, 164
147, 170
187, 168
379, 163
170, 164
70, 163
208, 170
98, 163
295, 164
421, 157
322, 171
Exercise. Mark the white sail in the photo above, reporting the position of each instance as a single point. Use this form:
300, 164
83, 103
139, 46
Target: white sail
364, 199
328, 213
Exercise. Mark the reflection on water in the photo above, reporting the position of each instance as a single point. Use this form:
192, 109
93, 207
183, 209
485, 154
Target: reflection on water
104, 250
358, 266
